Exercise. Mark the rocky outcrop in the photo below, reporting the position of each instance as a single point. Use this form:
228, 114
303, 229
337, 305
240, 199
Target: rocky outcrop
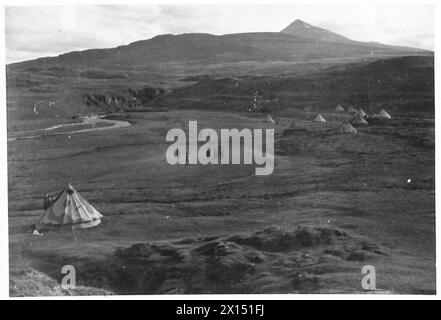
133, 101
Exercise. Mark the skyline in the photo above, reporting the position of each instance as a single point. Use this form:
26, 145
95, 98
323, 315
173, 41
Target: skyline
60, 29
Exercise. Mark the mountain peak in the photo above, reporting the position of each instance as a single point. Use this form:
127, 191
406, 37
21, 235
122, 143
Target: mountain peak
302, 29
299, 22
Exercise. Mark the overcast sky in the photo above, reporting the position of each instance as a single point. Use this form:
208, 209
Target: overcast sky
38, 31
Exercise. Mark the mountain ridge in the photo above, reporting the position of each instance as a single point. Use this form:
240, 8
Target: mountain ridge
299, 41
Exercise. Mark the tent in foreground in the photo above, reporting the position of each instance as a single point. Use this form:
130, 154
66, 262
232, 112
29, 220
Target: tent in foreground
383, 115
339, 108
319, 118
346, 128
68, 209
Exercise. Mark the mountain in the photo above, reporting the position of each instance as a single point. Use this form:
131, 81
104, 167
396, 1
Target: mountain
299, 42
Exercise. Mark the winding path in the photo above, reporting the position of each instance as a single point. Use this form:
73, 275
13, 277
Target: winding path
91, 120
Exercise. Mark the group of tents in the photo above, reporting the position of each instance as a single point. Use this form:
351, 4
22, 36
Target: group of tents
359, 118
380, 115
68, 209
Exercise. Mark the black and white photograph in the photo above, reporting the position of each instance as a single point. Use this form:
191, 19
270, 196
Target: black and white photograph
245, 148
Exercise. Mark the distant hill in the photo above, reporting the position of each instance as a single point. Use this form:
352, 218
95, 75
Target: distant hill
299, 42
404, 84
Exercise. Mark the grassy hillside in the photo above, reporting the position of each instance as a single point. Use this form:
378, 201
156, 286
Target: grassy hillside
334, 203
404, 84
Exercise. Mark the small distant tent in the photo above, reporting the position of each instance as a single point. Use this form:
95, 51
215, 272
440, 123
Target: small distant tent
351, 109
319, 118
339, 108
346, 128
68, 209
362, 113
358, 119
293, 125
383, 115
269, 119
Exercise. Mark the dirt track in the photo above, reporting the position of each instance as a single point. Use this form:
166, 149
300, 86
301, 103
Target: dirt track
90, 120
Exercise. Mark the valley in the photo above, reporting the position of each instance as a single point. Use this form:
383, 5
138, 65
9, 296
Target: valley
334, 202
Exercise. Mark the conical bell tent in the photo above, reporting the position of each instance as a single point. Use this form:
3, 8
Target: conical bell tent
293, 125
69, 209
351, 109
383, 115
339, 108
362, 113
346, 128
359, 120
269, 119
319, 118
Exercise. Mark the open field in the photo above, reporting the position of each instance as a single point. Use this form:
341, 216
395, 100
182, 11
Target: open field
335, 203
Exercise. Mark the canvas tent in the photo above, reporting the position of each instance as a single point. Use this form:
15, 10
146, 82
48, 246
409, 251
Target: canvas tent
362, 113
351, 109
319, 118
346, 128
339, 108
293, 125
68, 209
359, 120
383, 115
269, 119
